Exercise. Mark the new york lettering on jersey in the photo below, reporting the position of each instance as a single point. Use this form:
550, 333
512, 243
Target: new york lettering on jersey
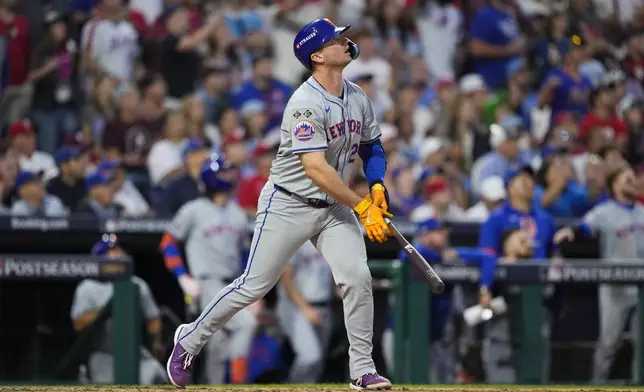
315, 120
213, 237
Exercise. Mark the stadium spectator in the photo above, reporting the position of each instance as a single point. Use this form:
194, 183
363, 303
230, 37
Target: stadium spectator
9, 168
33, 199
16, 91
22, 137
100, 200
184, 187
564, 88
550, 49
69, 184
111, 43
495, 40
128, 138
506, 153
492, 195
383, 105
558, 192
439, 202
214, 91
100, 108
403, 197
470, 119
250, 188
164, 160
197, 127
153, 105
180, 62
54, 75
371, 61
254, 119
602, 115
125, 193
264, 87
440, 26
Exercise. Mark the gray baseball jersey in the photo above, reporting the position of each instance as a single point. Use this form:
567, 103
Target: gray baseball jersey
621, 238
214, 237
311, 275
93, 295
315, 120
620, 230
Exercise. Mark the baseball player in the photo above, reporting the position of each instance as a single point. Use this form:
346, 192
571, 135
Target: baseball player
91, 296
214, 230
328, 122
619, 222
305, 314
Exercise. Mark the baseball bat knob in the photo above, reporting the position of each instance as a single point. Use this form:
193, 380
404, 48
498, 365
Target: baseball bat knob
438, 287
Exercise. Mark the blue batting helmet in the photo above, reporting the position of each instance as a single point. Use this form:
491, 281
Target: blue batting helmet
107, 242
314, 35
211, 174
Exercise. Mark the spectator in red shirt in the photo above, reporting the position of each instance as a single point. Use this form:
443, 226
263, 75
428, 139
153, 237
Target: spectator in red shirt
14, 29
603, 116
250, 188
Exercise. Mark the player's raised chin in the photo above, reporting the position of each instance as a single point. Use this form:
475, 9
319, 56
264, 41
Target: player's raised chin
336, 53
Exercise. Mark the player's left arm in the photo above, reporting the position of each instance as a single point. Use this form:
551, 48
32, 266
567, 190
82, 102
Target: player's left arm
178, 231
374, 159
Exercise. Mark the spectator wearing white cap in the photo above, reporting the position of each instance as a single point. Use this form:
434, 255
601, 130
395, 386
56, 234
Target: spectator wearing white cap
470, 120
370, 61
432, 153
383, 105
506, 154
439, 26
492, 194
164, 161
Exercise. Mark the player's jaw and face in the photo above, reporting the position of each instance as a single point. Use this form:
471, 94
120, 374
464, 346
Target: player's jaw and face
334, 54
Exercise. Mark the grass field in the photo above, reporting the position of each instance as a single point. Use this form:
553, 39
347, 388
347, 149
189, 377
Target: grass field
315, 387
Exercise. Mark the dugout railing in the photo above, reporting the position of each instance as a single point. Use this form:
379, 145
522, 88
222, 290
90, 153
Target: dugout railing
125, 305
412, 309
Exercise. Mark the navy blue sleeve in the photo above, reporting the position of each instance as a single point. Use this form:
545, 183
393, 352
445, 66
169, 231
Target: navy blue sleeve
374, 161
470, 255
489, 239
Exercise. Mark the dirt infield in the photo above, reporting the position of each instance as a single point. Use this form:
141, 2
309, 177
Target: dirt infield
298, 389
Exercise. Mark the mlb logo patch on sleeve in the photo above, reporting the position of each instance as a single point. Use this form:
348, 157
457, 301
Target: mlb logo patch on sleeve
304, 131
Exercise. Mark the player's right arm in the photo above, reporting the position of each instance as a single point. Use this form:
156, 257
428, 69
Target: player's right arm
589, 225
84, 310
305, 121
329, 180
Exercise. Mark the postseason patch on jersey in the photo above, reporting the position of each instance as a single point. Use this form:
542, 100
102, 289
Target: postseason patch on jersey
304, 131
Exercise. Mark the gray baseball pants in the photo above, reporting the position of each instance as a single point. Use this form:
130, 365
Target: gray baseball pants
282, 226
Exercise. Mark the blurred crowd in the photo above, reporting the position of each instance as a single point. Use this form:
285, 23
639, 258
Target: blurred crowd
109, 107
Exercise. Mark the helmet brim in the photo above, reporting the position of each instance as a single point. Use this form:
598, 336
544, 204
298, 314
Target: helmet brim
339, 30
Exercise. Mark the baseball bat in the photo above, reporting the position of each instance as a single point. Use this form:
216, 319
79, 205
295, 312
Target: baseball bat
431, 277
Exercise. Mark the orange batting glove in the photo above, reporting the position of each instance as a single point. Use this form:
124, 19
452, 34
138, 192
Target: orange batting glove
372, 218
379, 196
